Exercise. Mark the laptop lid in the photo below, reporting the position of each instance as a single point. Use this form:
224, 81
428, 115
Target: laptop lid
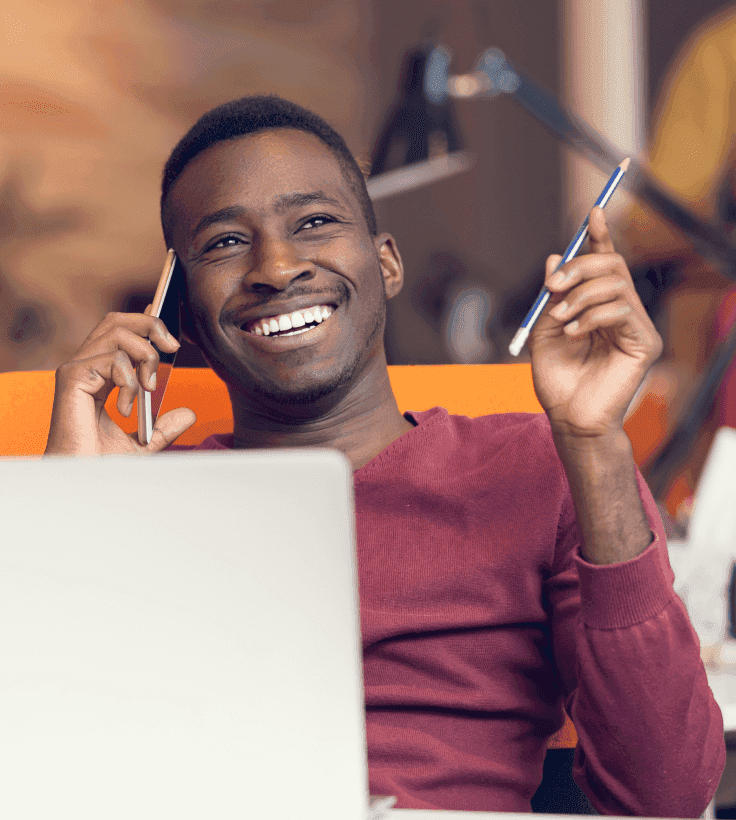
180, 638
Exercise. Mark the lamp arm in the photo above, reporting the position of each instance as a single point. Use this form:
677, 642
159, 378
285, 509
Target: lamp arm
495, 75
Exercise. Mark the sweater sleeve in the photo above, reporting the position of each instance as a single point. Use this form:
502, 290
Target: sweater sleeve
650, 733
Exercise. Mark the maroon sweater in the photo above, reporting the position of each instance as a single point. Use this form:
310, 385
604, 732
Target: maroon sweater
480, 619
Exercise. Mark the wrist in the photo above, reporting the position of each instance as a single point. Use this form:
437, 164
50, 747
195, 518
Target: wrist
612, 443
601, 473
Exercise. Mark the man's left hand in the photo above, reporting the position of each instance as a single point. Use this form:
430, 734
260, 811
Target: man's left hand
594, 343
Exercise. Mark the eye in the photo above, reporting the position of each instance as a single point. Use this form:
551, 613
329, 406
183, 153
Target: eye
317, 221
228, 241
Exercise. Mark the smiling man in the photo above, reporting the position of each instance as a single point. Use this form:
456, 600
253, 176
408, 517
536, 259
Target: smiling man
278, 205
509, 564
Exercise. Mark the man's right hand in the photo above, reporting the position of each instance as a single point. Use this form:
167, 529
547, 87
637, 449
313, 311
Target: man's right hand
109, 358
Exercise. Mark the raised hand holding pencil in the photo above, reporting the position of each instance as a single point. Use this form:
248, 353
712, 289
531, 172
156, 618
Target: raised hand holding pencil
593, 346
522, 334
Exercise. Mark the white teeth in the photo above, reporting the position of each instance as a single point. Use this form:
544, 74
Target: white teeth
296, 320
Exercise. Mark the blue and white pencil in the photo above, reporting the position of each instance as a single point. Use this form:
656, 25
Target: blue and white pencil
522, 334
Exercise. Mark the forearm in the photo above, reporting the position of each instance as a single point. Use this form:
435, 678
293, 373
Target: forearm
602, 477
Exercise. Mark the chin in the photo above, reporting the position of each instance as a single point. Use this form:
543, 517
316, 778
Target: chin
314, 395
311, 393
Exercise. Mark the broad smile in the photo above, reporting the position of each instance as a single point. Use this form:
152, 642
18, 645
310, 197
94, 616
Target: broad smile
289, 324
286, 331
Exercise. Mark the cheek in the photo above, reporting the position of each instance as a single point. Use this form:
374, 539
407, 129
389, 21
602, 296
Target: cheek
204, 301
201, 321
369, 283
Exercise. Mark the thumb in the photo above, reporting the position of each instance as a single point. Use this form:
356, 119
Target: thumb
169, 427
598, 233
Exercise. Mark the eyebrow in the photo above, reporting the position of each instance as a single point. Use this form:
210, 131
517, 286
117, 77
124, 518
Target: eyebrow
281, 204
296, 200
231, 213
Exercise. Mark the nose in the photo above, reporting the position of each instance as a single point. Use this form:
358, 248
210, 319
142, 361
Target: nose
278, 264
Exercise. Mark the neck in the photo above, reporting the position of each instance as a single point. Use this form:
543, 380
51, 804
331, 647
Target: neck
360, 423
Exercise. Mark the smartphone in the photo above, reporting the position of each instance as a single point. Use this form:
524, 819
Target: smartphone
165, 306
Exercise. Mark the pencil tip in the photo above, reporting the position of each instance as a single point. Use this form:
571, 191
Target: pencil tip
625, 164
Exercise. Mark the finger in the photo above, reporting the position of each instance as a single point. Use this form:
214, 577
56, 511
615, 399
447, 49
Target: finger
590, 266
598, 233
587, 294
139, 323
124, 375
553, 260
551, 266
140, 351
147, 311
97, 376
618, 315
169, 427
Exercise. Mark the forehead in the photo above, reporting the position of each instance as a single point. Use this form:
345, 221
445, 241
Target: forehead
254, 171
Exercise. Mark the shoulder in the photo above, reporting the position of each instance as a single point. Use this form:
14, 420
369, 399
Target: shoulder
503, 465
521, 427
520, 439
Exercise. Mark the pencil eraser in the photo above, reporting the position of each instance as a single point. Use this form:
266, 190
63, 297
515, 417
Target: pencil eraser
517, 343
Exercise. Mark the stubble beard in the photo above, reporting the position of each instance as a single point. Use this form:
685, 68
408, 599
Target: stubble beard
316, 393
309, 394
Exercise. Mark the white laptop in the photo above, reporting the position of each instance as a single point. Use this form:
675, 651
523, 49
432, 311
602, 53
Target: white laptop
179, 638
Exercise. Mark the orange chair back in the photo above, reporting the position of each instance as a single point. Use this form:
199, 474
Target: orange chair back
472, 390
26, 399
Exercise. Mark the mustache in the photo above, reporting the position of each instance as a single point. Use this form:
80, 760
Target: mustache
334, 295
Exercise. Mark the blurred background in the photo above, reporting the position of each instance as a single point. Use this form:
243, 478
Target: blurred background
95, 93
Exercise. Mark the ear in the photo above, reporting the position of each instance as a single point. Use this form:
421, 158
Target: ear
392, 268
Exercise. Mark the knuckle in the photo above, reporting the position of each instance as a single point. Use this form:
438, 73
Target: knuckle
151, 356
66, 372
121, 362
120, 333
63, 369
73, 370
79, 373
112, 318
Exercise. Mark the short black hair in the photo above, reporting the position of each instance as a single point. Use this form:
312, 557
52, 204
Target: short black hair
259, 113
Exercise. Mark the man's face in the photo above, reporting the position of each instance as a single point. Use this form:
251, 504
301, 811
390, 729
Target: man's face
267, 227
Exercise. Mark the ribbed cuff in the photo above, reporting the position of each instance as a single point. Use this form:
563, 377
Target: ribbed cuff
613, 596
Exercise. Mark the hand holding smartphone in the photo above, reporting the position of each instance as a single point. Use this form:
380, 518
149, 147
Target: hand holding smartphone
165, 306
